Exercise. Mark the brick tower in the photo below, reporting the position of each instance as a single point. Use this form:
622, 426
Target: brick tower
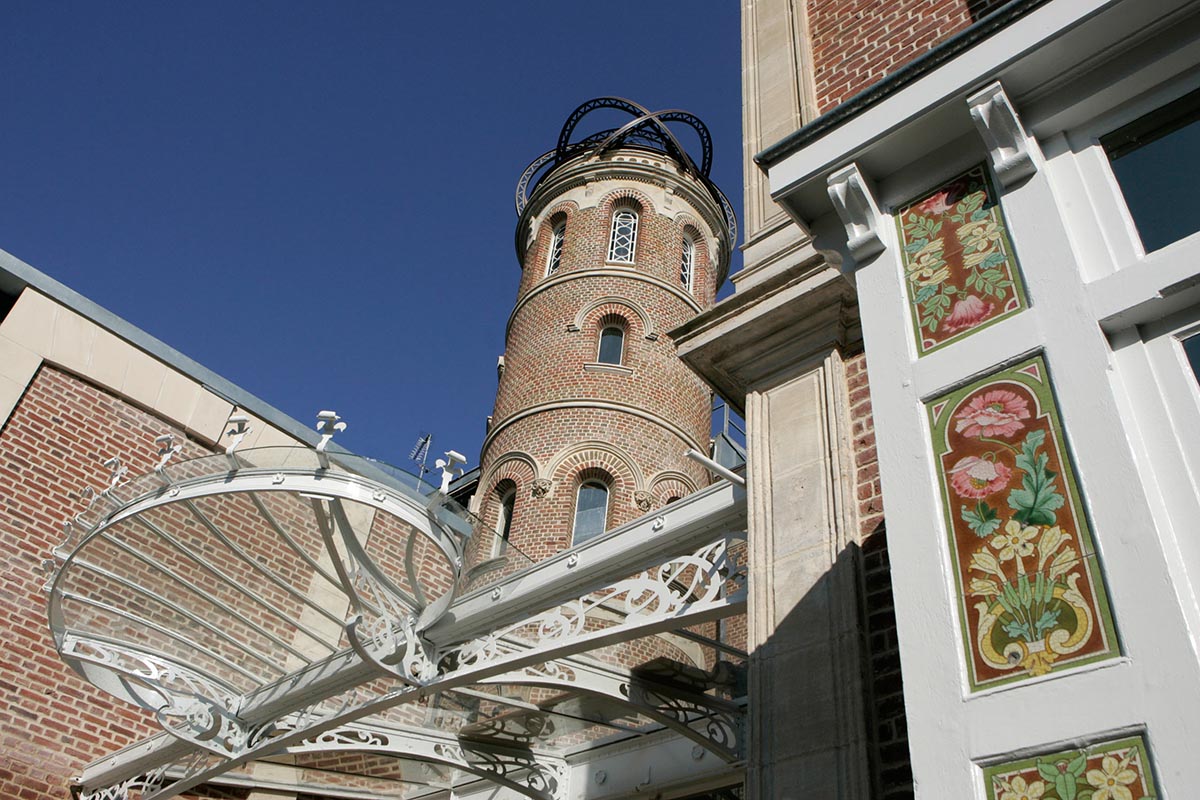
621, 238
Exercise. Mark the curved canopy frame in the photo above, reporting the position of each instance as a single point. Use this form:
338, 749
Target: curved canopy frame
287, 601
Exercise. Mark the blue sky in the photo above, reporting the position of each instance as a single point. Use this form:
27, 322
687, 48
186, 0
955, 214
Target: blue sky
315, 200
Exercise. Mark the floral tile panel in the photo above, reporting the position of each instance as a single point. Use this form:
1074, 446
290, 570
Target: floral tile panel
959, 267
1116, 770
1030, 594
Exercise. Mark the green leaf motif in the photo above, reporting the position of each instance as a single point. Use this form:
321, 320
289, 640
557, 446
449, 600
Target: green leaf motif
1037, 499
983, 520
1018, 630
993, 260
1047, 621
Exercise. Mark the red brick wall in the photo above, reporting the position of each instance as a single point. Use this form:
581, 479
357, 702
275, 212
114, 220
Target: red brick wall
552, 338
893, 768
52, 722
885, 687
856, 43
866, 461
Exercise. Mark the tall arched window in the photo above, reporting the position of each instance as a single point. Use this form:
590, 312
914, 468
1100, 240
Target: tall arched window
623, 241
687, 263
556, 247
612, 343
591, 511
508, 501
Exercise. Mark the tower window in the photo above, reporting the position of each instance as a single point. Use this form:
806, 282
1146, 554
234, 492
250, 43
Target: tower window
687, 263
612, 342
508, 502
623, 241
591, 511
556, 247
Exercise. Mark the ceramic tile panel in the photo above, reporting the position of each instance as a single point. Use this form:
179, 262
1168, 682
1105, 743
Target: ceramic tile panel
1114, 770
1030, 594
960, 270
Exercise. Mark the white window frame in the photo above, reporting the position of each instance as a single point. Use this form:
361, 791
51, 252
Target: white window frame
621, 213
600, 345
554, 257
607, 507
504, 515
687, 263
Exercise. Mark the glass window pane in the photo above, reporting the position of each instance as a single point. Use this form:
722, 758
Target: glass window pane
504, 523
611, 340
1156, 160
624, 236
591, 511
1191, 348
685, 266
556, 248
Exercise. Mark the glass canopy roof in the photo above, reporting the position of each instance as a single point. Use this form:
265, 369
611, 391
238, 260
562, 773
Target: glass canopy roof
335, 625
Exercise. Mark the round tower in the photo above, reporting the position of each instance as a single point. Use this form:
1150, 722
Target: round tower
621, 238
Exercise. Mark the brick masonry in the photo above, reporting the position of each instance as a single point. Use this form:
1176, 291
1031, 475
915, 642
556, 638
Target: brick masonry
856, 43
559, 415
53, 722
886, 718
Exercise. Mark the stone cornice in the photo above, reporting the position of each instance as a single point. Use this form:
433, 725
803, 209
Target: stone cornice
785, 320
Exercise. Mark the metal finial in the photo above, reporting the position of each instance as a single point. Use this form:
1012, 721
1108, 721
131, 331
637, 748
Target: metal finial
450, 467
167, 449
239, 427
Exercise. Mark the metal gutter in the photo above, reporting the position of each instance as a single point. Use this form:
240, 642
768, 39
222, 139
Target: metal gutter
893, 83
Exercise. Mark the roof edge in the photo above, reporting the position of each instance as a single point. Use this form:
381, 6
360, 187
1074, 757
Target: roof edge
884, 88
16, 275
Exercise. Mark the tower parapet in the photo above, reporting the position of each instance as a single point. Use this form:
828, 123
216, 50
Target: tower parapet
621, 237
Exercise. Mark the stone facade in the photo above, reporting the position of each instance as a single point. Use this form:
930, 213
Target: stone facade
1030, 339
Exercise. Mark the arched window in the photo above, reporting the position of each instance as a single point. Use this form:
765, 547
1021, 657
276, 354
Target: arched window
508, 501
591, 511
623, 241
556, 247
687, 263
612, 343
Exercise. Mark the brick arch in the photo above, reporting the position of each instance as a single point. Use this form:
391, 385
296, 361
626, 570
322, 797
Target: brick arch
626, 193
570, 463
671, 483
516, 466
590, 314
541, 228
689, 225
562, 210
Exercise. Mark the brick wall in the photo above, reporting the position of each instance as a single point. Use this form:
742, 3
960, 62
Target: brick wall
866, 461
885, 687
52, 722
551, 350
856, 43
893, 769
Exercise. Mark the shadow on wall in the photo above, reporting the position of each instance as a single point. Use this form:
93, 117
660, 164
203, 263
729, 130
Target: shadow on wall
803, 663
